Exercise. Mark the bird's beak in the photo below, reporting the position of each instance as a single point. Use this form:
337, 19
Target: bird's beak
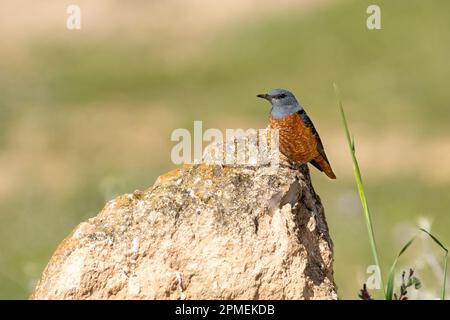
264, 96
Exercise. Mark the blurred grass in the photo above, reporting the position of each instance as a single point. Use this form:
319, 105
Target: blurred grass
390, 79
401, 63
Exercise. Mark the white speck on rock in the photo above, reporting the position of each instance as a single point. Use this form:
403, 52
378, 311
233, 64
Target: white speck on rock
141, 205
191, 193
111, 204
72, 270
180, 285
312, 223
152, 216
134, 287
208, 183
78, 234
81, 230
135, 246
104, 252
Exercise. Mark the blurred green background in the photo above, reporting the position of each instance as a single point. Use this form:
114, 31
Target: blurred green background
86, 115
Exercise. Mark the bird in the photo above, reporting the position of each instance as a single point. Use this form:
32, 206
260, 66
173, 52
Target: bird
298, 138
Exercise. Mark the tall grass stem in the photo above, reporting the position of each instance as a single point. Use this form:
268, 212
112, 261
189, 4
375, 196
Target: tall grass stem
362, 196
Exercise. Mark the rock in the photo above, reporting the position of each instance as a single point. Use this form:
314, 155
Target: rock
201, 232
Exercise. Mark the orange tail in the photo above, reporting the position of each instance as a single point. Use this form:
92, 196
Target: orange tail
323, 165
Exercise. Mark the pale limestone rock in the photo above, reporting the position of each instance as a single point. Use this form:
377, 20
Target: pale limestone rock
201, 232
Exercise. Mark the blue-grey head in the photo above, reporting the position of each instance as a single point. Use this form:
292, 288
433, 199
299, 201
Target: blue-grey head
283, 102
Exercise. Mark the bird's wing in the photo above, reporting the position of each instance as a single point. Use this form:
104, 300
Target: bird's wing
316, 164
308, 123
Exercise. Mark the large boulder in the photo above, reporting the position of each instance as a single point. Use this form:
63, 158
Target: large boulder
201, 232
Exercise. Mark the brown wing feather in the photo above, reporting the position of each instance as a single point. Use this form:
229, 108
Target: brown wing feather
316, 164
321, 162
308, 123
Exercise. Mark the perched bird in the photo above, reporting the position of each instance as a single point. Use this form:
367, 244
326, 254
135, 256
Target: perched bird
299, 140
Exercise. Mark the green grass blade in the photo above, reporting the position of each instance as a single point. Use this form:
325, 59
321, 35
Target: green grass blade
445, 260
435, 239
391, 277
359, 183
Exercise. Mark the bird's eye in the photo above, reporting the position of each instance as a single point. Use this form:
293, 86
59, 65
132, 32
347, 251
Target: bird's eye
281, 96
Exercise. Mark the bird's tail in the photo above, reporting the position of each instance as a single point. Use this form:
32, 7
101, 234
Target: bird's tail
323, 165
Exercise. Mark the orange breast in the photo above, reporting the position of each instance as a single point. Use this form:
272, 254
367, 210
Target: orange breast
296, 140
